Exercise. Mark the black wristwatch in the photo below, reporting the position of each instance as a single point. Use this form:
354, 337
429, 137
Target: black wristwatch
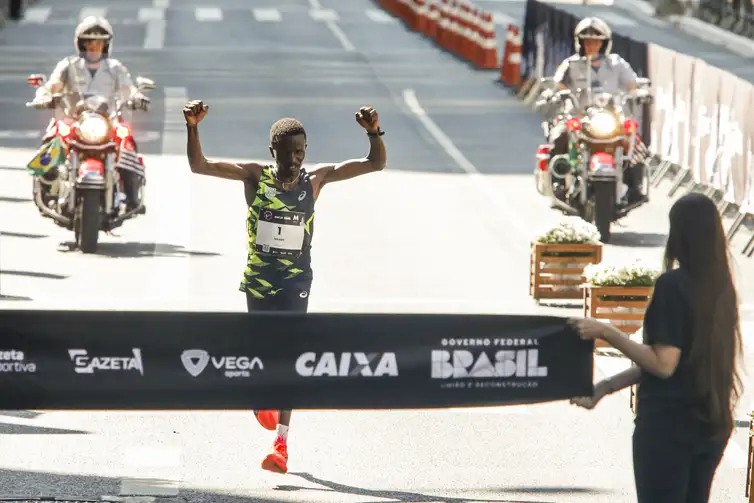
379, 132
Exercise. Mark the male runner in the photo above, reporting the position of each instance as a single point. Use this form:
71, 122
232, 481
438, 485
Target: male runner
280, 224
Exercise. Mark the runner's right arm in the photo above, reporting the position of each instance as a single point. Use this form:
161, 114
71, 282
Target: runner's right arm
194, 112
220, 169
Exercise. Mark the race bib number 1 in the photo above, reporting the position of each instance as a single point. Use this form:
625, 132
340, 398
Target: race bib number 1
280, 233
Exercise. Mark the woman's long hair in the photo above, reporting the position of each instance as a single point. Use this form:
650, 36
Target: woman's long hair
698, 245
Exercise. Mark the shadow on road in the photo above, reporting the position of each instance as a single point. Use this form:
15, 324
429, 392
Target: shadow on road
402, 496
29, 484
638, 239
561, 305
22, 235
4, 297
24, 429
30, 274
8, 199
137, 250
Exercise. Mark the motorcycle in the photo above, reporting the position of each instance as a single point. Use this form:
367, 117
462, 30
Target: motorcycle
588, 180
90, 196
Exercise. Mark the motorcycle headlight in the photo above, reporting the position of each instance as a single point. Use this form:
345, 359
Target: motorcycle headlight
94, 129
603, 124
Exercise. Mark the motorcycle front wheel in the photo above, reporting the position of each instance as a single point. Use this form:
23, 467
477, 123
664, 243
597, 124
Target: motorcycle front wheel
604, 208
87, 230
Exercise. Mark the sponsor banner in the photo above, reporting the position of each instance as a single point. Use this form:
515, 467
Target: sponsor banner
701, 124
726, 134
662, 75
748, 204
736, 111
709, 119
683, 75
151, 360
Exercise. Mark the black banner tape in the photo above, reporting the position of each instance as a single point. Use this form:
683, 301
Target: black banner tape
80, 360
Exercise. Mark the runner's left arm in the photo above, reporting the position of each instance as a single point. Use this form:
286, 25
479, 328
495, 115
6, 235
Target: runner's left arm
375, 160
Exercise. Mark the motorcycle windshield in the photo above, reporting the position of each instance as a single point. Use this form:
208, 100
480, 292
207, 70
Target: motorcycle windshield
97, 103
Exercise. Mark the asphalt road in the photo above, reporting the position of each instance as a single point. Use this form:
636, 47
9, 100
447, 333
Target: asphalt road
187, 253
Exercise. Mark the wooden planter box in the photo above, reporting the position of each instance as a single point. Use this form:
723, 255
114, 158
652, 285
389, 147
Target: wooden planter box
556, 271
750, 465
621, 306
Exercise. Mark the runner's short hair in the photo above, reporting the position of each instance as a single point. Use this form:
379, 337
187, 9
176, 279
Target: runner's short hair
286, 126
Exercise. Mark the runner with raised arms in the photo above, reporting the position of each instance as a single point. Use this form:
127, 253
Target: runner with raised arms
280, 224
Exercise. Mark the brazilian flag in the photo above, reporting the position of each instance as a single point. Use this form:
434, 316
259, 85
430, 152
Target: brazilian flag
50, 155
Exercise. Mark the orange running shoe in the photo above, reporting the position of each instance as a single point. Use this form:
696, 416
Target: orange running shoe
277, 460
268, 418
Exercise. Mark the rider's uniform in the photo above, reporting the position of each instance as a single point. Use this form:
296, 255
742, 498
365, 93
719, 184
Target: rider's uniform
110, 80
612, 75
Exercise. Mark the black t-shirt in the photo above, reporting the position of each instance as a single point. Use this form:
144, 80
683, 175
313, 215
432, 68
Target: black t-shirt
668, 320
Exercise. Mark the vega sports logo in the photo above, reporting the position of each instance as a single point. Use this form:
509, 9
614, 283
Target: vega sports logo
195, 361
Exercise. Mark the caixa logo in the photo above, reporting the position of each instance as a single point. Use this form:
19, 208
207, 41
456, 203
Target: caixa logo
347, 364
478, 364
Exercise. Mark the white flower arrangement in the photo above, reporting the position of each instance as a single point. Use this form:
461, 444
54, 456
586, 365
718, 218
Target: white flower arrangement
608, 274
571, 230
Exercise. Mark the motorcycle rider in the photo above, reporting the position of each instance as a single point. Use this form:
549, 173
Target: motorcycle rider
91, 72
611, 73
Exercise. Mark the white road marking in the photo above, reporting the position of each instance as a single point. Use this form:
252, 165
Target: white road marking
380, 16
315, 4
161, 4
155, 35
267, 15
20, 135
324, 15
211, 14
330, 18
92, 11
342, 38
151, 14
504, 210
37, 15
155, 29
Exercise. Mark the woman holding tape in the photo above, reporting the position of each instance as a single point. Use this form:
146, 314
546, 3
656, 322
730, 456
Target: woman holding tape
687, 367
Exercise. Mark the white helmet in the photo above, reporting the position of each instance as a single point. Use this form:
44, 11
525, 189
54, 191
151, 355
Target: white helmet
593, 28
93, 28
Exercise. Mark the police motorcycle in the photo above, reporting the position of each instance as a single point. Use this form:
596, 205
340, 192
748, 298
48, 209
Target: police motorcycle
91, 193
588, 180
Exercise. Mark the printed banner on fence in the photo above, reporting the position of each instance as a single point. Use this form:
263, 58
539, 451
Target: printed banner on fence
736, 140
700, 123
683, 73
712, 88
748, 204
662, 75
156, 360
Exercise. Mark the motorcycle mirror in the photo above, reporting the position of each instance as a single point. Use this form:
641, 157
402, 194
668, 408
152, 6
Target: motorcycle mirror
145, 84
36, 80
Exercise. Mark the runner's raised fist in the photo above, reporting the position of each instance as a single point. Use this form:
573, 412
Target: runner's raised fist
194, 112
368, 119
